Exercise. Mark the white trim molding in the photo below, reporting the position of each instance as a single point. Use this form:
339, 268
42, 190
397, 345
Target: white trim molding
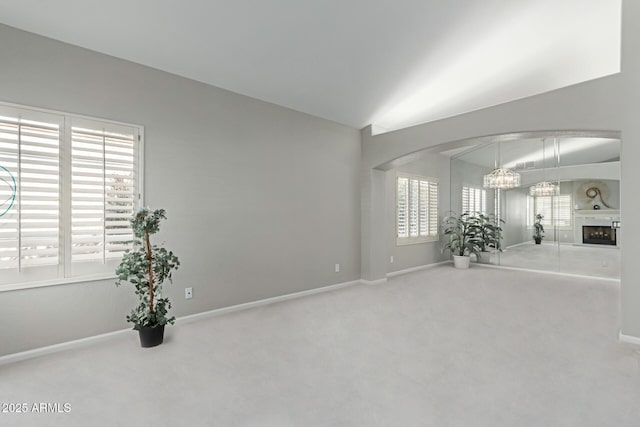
83, 342
418, 268
374, 282
56, 348
554, 273
628, 338
57, 282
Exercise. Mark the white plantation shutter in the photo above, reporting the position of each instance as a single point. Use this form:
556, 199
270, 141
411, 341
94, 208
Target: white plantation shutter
30, 151
38, 193
557, 210
562, 210
402, 207
103, 191
433, 208
423, 208
543, 207
416, 209
9, 158
76, 183
465, 199
474, 200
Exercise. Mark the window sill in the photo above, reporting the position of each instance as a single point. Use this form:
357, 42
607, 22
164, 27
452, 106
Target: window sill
55, 282
405, 242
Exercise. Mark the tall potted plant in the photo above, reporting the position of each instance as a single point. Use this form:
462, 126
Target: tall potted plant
461, 232
147, 267
489, 235
538, 229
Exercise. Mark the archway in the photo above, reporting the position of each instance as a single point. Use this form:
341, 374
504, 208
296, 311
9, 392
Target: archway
375, 199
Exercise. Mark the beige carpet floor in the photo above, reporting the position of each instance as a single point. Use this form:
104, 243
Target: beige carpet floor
439, 347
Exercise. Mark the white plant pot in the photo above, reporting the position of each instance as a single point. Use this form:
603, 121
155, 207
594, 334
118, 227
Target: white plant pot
461, 261
484, 258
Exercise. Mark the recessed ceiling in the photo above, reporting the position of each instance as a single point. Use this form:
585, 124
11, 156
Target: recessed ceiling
356, 62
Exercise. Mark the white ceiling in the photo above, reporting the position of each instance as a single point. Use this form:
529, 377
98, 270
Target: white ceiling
388, 63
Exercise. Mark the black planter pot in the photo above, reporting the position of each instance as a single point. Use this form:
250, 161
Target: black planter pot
151, 337
538, 241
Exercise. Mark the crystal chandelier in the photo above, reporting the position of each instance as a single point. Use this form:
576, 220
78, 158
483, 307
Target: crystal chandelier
544, 188
502, 178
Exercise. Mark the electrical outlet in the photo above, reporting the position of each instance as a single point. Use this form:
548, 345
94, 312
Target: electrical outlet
391, 259
337, 268
188, 293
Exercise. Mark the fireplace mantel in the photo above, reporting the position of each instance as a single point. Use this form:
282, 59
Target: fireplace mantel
597, 213
594, 217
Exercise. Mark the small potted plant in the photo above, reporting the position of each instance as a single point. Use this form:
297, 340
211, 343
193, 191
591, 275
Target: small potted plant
538, 229
489, 235
462, 238
146, 268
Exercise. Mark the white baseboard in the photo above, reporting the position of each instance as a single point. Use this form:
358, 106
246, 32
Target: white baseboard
42, 351
266, 301
374, 282
517, 244
418, 268
628, 338
554, 273
83, 342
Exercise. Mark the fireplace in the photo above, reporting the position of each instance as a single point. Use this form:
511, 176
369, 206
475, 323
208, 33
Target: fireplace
598, 235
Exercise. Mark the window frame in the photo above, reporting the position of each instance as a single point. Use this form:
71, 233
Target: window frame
402, 241
63, 267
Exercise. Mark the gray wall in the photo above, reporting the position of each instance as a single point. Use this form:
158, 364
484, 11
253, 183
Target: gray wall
415, 255
607, 104
261, 200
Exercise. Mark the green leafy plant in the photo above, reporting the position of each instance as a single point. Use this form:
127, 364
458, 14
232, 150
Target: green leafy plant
147, 267
538, 229
461, 232
489, 232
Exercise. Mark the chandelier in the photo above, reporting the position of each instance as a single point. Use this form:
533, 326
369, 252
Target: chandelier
544, 188
502, 178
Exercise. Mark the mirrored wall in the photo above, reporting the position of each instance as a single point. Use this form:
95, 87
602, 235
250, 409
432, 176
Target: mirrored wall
568, 189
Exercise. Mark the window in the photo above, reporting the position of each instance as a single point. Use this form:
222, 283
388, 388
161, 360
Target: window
531, 216
416, 209
556, 210
474, 200
563, 211
76, 186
